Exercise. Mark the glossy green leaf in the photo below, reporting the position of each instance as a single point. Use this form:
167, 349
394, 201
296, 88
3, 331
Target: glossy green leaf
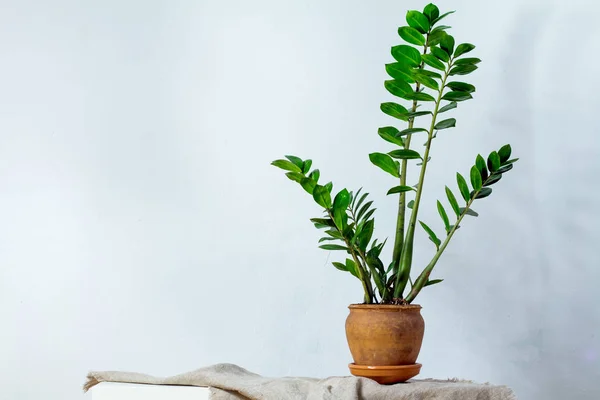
334, 233
461, 87
400, 189
411, 204
286, 165
329, 187
413, 114
323, 221
426, 81
445, 124
327, 239
492, 179
340, 266
296, 161
504, 153
442, 212
340, 204
462, 187
480, 164
432, 282
351, 267
468, 211
306, 166
388, 133
463, 69
400, 71
411, 35
386, 163
397, 87
363, 210
505, 168
433, 62
514, 160
410, 131
418, 21
394, 110
463, 48
295, 176
493, 161
404, 154
484, 192
447, 107
432, 235
440, 54
452, 201
447, 44
464, 61
475, 178
431, 74
322, 196
407, 55
308, 185
365, 235
315, 175
420, 96
435, 37
431, 12
457, 96
333, 247
438, 19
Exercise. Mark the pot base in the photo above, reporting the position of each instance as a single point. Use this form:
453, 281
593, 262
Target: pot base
386, 374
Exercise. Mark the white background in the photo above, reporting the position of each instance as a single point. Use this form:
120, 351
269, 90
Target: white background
142, 228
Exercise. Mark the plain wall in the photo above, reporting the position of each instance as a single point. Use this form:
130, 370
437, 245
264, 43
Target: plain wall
142, 227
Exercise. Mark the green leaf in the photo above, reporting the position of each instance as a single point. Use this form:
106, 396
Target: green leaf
440, 53
457, 96
475, 178
432, 282
365, 235
340, 204
463, 69
306, 166
394, 110
407, 55
404, 154
504, 153
363, 210
400, 189
399, 71
333, 247
296, 161
461, 87
463, 48
327, 239
447, 123
323, 221
411, 204
468, 211
386, 163
447, 44
514, 160
360, 201
431, 74
418, 21
431, 12
369, 214
411, 35
334, 233
435, 37
433, 62
413, 114
410, 131
295, 176
505, 168
426, 81
464, 61
397, 87
493, 161
351, 267
322, 196
438, 19
492, 179
329, 187
308, 185
447, 107
484, 192
444, 216
480, 164
432, 235
315, 175
388, 133
340, 266
462, 187
419, 96
286, 165
452, 201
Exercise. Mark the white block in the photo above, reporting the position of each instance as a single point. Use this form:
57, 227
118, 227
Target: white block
131, 391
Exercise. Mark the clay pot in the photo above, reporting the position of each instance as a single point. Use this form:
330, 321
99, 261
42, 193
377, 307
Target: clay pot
384, 335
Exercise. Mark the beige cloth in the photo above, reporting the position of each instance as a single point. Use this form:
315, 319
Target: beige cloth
230, 382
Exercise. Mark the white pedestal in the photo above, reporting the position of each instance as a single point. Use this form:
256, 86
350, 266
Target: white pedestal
130, 391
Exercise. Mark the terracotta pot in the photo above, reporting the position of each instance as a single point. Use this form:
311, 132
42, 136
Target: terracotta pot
384, 335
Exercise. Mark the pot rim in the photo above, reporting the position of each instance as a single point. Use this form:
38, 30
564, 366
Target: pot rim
385, 307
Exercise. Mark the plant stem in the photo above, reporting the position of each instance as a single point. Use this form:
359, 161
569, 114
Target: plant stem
424, 276
407, 250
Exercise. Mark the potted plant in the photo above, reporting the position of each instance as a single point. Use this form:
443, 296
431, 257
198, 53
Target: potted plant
385, 332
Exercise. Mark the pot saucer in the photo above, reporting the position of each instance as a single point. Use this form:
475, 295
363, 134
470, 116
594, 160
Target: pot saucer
386, 374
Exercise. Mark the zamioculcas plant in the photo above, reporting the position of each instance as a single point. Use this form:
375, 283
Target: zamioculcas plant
426, 76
